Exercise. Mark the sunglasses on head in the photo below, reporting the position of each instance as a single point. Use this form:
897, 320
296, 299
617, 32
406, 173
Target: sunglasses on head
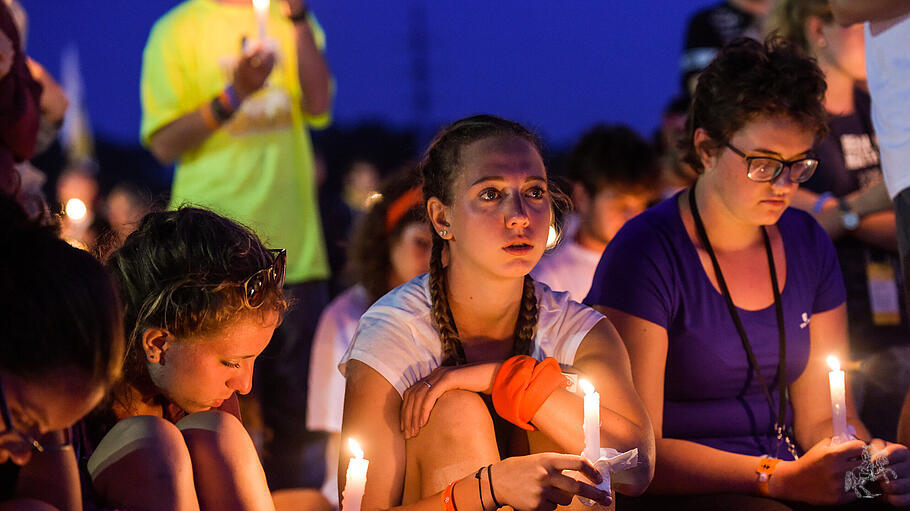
256, 285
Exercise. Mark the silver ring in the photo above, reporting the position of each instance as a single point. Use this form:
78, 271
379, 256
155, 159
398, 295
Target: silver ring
428, 385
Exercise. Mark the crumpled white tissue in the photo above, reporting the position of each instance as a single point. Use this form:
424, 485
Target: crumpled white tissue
613, 461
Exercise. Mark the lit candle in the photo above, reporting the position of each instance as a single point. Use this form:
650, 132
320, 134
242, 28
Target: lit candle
262, 15
592, 422
837, 383
355, 479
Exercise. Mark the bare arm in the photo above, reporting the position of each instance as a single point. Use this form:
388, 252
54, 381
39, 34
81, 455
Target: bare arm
312, 69
52, 476
187, 132
848, 12
685, 467
371, 408
872, 204
625, 425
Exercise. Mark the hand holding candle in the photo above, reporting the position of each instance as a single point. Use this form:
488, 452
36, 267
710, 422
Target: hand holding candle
837, 383
262, 15
592, 422
355, 479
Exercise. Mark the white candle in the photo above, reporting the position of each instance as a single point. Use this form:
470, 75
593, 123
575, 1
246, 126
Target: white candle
262, 15
837, 383
355, 479
592, 422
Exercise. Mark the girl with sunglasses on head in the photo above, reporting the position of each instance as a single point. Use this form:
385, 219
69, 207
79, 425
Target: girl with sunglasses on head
428, 357
201, 297
61, 348
730, 303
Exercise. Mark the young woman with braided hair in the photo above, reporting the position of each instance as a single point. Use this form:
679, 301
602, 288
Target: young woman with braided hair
429, 357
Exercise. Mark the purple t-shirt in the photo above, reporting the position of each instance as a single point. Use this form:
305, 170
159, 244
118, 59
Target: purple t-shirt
651, 270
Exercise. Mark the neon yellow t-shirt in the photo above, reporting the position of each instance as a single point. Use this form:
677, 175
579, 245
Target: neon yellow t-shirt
258, 167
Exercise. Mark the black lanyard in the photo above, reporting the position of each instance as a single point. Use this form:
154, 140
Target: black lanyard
779, 308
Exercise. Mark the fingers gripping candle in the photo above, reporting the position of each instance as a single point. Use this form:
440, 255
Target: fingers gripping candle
837, 383
592, 422
355, 479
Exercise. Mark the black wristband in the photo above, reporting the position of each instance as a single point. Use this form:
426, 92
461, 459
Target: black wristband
221, 114
479, 490
301, 15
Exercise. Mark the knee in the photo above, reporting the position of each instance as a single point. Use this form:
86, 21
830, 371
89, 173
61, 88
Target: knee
213, 432
460, 415
141, 448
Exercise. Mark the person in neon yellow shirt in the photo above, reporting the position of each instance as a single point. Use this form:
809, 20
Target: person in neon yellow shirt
232, 111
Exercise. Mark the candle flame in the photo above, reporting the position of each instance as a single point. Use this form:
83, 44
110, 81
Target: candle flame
833, 363
355, 448
76, 209
587, 387
261, 5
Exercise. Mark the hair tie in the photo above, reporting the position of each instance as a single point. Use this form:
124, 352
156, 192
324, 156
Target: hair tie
400, 206
521, 386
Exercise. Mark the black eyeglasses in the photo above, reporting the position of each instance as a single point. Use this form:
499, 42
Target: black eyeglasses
766, 168
254, 287
10, 429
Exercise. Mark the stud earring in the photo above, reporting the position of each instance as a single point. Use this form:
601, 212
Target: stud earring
443, 233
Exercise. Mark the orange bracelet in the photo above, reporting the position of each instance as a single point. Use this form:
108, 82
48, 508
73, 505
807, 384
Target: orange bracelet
448, 499
209, 117
522, 385
765, 470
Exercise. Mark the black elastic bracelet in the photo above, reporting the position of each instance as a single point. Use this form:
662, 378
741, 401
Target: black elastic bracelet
218, 109
302, 15
479, 490
490, 480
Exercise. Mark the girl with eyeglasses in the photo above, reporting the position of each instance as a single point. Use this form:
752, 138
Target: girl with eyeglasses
428, 358
201, 298
61, 349
729, 303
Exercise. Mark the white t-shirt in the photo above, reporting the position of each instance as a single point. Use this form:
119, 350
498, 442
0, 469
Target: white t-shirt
397, 336
334, 333
570, 267
888, 74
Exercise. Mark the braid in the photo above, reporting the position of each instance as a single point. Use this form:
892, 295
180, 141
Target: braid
452, 350
526, 325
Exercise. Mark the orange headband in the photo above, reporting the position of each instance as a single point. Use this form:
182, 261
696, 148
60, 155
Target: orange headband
400, 206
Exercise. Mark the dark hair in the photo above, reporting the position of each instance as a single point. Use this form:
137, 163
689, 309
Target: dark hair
60, 307
183, 271
749, 80
613, 156
790, 16
439, 169
369, 260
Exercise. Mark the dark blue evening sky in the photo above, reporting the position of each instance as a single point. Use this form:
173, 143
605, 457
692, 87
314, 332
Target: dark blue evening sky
557, 66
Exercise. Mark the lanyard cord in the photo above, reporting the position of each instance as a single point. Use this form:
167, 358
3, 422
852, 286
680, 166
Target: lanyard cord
778, 306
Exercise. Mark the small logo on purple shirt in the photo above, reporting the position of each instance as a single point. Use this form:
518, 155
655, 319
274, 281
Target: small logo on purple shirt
806, 320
